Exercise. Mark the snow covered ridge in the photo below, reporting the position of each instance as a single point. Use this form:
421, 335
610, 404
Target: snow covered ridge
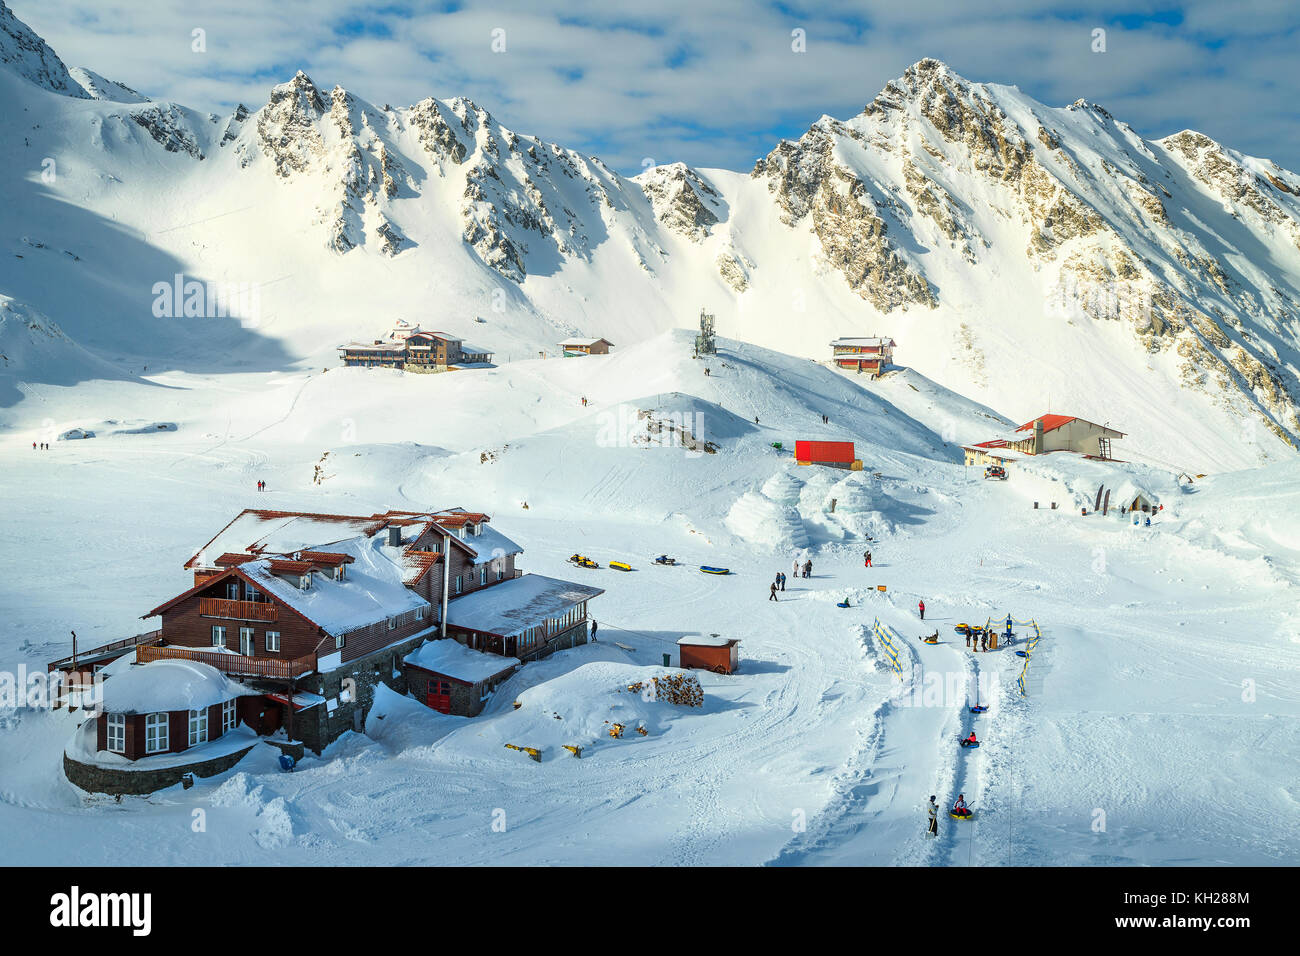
986, 233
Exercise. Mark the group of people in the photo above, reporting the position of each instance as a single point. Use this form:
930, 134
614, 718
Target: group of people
44, 446
805, 568
959, 809
261, 485
977, 642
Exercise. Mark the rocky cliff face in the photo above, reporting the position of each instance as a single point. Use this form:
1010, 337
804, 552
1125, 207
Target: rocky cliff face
992, 225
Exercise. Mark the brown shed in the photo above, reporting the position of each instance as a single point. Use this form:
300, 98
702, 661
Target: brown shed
710, 652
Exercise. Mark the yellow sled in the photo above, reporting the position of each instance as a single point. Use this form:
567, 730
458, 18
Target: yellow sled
620, 565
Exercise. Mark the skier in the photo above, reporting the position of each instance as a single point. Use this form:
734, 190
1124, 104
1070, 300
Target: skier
772, 592
933, 810
920, 605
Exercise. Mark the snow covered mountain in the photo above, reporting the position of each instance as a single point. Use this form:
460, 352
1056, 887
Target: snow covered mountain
1022, 255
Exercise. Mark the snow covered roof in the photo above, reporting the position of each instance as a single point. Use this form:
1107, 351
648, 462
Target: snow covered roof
373, 590
872, 342
168, 685
453, 659
490, 544
255, 531
707, 640
511, 607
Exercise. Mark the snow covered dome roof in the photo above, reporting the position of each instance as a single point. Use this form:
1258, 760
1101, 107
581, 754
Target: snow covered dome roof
783, 487
854, 495
169, 685
760, 520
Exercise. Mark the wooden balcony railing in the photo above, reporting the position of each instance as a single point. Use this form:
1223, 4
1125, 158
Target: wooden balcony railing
237, 610
104, 650
236, 664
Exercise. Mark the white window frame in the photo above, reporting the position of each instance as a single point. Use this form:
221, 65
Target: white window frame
157, 729
232, 585
501, 571
482, 576
115, 737
419, 613
339, 641
218, 635
338, 572
250, 592
198, 726
247, 633
271, 641
227, 717
458, 582
392, 622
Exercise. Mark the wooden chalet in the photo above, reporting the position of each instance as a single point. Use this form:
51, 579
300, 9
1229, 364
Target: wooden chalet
576, 347
413, 349
871, 354
306, 613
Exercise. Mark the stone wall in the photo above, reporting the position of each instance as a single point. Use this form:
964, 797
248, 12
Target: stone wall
104, 780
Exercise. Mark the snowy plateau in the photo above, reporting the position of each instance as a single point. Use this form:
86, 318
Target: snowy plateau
1024, 258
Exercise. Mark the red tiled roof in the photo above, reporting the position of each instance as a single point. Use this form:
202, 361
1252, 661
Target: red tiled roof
229, 559
281, 566
327, 559
1050, 422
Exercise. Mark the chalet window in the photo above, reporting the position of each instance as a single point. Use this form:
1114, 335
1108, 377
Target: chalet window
198, 727
246, 641
419, 613
338, 573
458, 577
482, 576
501, 572
218, 635
227, 717
250, 592
273, 641
232, 590
304, 581
155, 733
392, 623
117, 733
339, 640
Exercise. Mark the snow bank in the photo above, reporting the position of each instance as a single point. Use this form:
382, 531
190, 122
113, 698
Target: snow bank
169, 685
784, 487
761, 521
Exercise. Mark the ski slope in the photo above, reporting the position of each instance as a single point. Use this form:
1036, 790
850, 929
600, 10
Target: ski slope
814, 753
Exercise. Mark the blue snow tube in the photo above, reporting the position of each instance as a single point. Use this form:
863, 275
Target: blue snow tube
978, 709
710, 570
287, 762
843, 604
965, 744
1021, 654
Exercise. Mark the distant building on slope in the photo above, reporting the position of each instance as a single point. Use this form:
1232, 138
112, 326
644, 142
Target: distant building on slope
413, 349
574, 347
1047, 433
869, 354
295, 618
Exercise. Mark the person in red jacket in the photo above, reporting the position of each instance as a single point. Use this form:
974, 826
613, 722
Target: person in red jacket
920, 605
970, 741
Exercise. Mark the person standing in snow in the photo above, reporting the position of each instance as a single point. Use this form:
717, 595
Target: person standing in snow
933, 810
920, 605
594, 625
867, 556
783, 580
968, 640
984, 640
807, 568
795, 567
772, 592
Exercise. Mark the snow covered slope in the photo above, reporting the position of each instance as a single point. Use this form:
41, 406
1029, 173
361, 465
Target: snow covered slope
1022, 255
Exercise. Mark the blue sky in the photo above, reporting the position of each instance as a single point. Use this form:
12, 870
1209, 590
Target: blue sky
701, 81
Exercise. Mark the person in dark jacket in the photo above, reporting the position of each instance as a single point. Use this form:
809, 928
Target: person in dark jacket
772, 592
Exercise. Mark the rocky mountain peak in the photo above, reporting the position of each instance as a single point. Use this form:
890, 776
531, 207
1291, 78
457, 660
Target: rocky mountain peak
26, 54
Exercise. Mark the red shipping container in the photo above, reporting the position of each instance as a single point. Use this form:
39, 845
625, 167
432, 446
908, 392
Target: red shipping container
824, 452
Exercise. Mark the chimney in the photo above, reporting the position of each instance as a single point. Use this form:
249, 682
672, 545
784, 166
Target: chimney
394, 536
1038, 436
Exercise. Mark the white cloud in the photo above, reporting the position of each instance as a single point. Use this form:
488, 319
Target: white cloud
1226, 72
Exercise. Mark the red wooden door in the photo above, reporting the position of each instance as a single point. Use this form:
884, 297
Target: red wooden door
439, 696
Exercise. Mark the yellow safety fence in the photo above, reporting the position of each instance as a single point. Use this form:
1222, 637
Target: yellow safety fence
1029, 650
887, 637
